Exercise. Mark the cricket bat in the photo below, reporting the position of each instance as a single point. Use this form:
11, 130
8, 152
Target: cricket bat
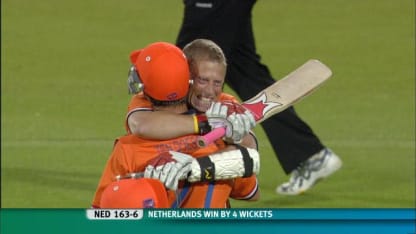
280, 95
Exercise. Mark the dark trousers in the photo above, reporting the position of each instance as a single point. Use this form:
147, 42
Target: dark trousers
228, 23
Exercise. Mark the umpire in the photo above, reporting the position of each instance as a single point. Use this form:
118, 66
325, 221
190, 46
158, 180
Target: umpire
228, 23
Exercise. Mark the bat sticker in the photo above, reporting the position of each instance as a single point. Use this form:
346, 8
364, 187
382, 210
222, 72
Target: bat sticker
260, 106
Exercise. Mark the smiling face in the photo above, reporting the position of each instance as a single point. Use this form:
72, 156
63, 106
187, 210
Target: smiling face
208, 80
208, 67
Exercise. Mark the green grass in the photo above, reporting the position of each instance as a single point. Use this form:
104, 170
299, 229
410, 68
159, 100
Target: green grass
64, 98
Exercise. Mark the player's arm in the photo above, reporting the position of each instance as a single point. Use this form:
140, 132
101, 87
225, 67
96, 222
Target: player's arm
143, 121
240, 162
250, 141
246, 189
170, 167
160, 125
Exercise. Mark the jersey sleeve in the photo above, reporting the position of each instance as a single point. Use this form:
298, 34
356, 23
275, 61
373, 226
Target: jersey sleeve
228, 97
244, 188
137, 103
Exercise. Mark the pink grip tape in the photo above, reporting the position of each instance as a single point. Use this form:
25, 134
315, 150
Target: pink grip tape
211, 137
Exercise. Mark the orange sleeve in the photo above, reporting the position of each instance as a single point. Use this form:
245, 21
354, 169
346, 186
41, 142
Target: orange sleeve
244, 188
137, 103
228, 97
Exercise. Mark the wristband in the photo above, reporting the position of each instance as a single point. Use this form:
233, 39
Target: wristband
203, 125
196, 128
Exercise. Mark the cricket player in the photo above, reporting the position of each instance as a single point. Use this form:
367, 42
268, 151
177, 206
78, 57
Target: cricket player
164, 74
207, 66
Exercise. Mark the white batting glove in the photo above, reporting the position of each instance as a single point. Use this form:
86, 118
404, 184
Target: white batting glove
239, 128
169, 168
242, 123
236, 119
217, 117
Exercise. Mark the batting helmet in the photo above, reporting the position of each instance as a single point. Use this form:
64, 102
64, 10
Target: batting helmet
162, 70
135, 193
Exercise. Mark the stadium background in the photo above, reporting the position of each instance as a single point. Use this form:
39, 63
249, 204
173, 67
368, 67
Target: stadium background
63, 94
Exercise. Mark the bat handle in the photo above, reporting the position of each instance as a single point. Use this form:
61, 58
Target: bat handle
211, 137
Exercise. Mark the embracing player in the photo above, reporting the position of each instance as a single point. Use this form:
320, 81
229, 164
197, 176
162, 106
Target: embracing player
163, 71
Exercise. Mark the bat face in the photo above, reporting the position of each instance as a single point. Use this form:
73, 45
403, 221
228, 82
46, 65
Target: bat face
288, 90
280, 95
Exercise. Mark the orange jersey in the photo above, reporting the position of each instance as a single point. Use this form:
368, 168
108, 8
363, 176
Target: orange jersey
132, 153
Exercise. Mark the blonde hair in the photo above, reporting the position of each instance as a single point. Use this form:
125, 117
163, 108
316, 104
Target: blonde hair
204, 49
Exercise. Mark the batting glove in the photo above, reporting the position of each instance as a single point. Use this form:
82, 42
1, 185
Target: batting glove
217, 117
169, 168
235, 118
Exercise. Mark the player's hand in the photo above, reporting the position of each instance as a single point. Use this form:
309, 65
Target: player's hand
217, 117
241, 119
236, 119
169, 168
